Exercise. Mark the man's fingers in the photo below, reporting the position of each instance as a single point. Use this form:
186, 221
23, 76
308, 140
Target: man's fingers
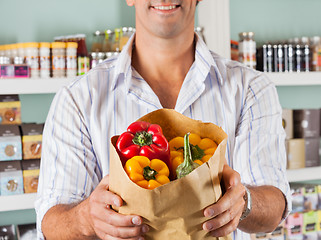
106, 231
224, 218
233, 197
226, 229
230, 177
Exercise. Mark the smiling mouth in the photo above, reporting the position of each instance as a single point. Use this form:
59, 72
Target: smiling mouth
165, 8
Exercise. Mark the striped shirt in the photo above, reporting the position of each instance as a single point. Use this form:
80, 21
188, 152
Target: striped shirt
93, 108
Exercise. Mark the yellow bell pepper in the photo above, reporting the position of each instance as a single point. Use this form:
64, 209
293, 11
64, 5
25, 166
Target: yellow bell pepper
147, 173
202, 150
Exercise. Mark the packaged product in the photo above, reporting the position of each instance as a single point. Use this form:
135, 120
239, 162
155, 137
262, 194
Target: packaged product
310, 198
287, 122
295, 153
11, 181
10, 109
31, 140
27, 231
30, 173
294, 225
297, 198
277, 234
310, 222
180, 214
10, 143
319, 198
7, 232
306, 123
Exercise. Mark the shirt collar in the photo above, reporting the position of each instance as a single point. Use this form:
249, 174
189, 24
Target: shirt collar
203, 60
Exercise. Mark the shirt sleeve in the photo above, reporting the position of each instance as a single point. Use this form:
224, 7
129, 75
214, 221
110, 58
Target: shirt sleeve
67, 171
260, 153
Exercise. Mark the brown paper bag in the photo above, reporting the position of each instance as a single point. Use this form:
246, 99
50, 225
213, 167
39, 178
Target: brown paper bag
174, 210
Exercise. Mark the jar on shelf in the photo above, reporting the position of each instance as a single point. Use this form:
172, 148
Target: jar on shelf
83, 61
44, 57
14, 52
58, 59
96, 58
31, 51
247, 49
108, 40
71, 59
116, 40
315, 48
97, 43
124, 37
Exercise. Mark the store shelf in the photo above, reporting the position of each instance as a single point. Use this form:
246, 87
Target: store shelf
17, 202
296, 79
32, 86
304, 174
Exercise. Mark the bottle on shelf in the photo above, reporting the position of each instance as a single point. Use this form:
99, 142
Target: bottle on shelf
58, 59
44, 59
31, 51
97, 43
82, 55
71, 59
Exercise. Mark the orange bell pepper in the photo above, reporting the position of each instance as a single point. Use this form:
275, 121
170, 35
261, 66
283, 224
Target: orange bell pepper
202, 150
147, 173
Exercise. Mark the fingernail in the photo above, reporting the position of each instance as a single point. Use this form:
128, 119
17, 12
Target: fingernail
208, 226
141, 238
145, 229
117, 202
209, 213
136, 221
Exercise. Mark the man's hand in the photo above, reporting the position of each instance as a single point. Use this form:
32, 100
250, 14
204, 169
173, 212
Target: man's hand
225, 214
107, 223
93, 218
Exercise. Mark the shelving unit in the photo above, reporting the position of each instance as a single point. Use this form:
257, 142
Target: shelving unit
296, 79
32, 86
17, 202
304, 174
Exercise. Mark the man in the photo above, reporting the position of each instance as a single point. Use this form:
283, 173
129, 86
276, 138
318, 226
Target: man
163, 65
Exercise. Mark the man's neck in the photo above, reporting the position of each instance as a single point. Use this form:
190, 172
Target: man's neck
164, 63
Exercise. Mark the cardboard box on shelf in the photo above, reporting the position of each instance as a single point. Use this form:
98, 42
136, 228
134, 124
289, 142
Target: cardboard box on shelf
297, 198
310, 222
306, 123
27, 231
30, 172
10, 143
294, 224
310, 198
295, 153
287, 122
312, 158
10, 109
8, 232
11, 180
31, 140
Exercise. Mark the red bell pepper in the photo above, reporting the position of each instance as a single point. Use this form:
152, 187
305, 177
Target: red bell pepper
143, 139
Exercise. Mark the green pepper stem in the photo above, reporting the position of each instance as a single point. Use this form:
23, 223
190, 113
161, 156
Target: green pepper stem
188, 165
143, 138
149, 173
187, 150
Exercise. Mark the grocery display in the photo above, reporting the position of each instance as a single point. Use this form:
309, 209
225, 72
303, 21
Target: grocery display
20, 149
302, 127
293, 55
